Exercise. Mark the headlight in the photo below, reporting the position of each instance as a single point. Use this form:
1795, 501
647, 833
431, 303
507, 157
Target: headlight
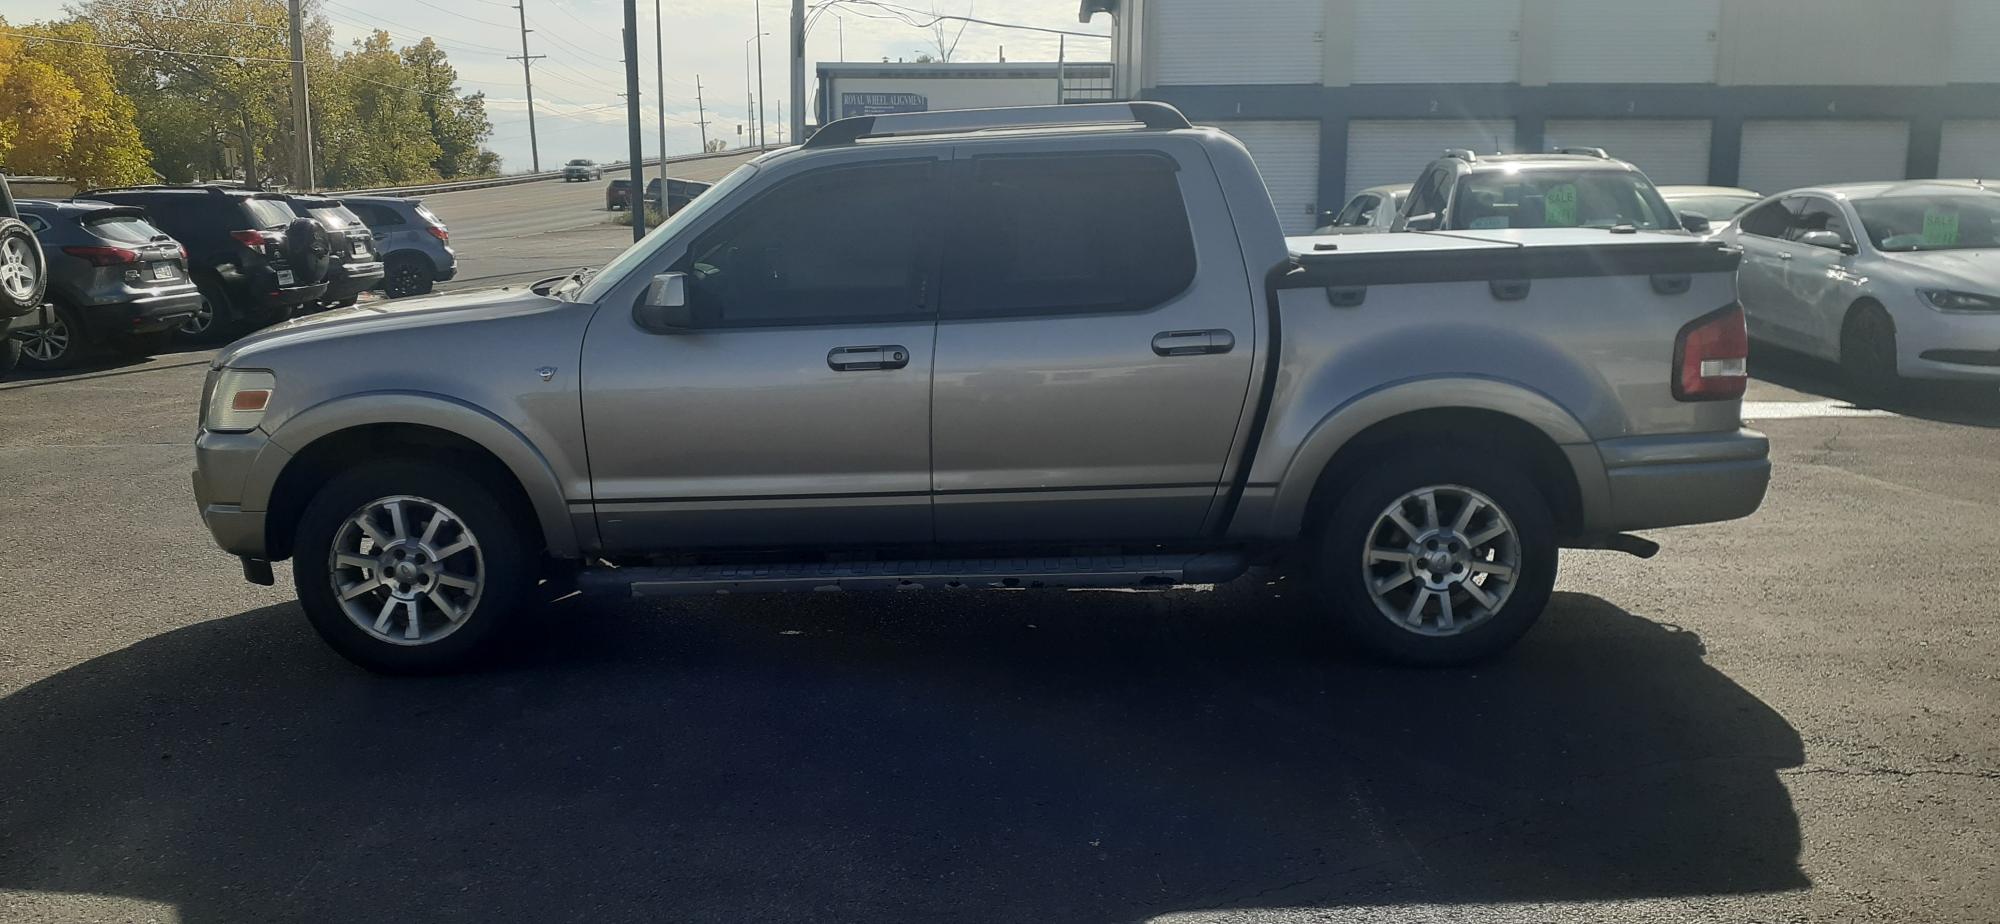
237, 400
1947, 300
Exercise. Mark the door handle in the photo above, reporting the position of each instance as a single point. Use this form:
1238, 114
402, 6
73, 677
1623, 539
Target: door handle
1193, 342
867, 358
1784, 255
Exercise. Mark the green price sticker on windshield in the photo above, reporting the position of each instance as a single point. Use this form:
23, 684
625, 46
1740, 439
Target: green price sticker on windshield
1559, 206
1940, 228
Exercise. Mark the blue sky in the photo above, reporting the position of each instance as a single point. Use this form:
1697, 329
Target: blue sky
702, 37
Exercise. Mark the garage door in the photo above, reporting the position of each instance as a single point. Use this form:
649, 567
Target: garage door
1287, 154
1786, 155
1970, 150
1669, 151
1975, 33
1396, 150
1202, 42
1425, 41
1633, 41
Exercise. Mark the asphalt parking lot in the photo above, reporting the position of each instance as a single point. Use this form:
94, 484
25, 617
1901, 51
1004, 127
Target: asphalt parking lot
1791, 717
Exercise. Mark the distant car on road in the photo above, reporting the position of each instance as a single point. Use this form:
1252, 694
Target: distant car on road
679, 193
1718, 204
1892, 280
1371, 210
252, 258
357, 265
582, 169
1572, 188
414, 243
618, 194
114, 279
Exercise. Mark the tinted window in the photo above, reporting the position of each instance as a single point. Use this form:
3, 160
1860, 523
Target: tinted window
1817, 214
1770, 220
268, 213
1946, 222
1048, 235
833, 246
1359, 212
1558, 199
336, 217
376, 215
1713, 208
34, 222
130, 229
1428, 195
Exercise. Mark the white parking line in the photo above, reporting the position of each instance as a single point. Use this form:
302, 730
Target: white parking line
1795, 410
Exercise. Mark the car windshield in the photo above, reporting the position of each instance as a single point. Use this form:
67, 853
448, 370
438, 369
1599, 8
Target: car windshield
336, 216
268, 213
1713, 208
130, 229
1944, 222
642, 250
1558, 199
579, 163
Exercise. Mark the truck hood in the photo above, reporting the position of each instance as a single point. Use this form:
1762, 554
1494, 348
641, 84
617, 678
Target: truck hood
387, 315
1974, 270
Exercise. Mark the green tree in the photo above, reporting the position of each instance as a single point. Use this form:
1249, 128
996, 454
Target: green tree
457, 122
61, 113
382, 134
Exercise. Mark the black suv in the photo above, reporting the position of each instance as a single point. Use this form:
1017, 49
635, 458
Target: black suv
113, 278
356, 267
252, 258
1572, 188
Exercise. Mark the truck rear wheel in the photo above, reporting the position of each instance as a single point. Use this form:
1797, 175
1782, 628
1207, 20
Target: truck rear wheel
1441, 556
410, 568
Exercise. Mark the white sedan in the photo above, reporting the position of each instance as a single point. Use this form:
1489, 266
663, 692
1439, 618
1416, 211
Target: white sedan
1892, 280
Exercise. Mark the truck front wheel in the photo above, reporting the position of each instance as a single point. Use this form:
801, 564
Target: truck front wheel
1440, 557
406, 567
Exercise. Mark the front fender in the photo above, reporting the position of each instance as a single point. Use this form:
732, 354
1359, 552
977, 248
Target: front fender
1300, 473
514, 450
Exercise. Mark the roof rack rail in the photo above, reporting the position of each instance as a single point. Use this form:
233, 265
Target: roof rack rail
1153, 115
1464, 154
1598, 153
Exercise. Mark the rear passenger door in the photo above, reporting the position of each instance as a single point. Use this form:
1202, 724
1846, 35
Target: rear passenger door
1760, 279
1094, 343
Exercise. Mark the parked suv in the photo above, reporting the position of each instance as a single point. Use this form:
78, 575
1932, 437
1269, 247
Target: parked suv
582, 169
679, 193
1573, 188
356, 266
1076, 352
414, 243
113, 278
252, 258
618, 194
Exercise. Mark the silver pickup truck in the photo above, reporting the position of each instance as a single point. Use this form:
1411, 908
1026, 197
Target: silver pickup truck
1046, 347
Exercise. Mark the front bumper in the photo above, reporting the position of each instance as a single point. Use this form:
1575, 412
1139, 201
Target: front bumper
230, 471
1679, 479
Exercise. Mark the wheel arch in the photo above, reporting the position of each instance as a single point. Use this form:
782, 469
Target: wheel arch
1558, 452
319, 441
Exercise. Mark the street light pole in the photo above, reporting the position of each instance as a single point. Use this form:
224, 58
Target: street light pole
635, 135
798, 71
757, 8
660, 62
749, 95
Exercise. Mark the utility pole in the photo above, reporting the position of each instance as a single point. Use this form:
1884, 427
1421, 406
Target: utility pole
757, 7
798, 71
633, 128
749, 95
701, 111
302, 160
528, 78
660, 62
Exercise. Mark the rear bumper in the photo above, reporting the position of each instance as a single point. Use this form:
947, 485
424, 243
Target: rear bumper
1659, 481
140, 315
29, 321
359, 278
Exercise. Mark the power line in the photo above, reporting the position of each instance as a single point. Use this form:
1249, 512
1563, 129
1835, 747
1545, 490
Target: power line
250, 24
441, 9
29, 36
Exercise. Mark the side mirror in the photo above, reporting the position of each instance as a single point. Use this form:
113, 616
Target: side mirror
1694, 223
1427, 221
665, 309
1826, 239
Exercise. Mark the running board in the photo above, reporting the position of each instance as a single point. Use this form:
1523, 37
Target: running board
1158, 571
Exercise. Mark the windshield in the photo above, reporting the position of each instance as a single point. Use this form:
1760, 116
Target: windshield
129, 229
1714, 208
337, 216
636, 254
1558, 199
579, 163
268, 213
1948, 222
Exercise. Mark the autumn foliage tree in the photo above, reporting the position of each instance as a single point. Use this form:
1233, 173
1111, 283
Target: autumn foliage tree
61, 113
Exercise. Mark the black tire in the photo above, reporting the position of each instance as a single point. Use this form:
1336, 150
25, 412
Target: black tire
1868, 352
213, 318
56, 345
407, 276
24, 275
1341, 578
504, 555
308, 251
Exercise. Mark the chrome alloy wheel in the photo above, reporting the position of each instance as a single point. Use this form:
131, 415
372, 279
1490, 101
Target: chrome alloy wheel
201, 320
17, 269
406, 570
48, 343
1441, 560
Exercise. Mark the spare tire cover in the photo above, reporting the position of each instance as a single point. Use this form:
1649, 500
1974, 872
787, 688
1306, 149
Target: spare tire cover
309, 250
23, 272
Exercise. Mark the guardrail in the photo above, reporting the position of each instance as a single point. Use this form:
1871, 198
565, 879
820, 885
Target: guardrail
520, 178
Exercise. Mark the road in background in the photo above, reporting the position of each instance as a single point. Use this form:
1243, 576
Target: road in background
513, 234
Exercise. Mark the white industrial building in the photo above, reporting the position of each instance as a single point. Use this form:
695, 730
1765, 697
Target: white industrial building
1336, 95
872, 89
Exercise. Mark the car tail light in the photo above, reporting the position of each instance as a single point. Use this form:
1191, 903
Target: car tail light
103, 256
1712, 357
184, 252
255, 240
441, 233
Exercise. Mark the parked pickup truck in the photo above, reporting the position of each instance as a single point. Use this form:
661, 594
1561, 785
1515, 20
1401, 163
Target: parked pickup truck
920, 351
